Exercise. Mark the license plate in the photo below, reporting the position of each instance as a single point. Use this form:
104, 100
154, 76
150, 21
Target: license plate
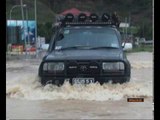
82, 80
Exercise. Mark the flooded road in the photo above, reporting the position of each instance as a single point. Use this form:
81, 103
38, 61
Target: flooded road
26, 98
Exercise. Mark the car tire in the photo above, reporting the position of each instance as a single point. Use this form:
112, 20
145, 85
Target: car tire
126, 80
43, 82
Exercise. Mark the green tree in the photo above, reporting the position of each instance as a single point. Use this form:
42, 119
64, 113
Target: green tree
45, 30
145, 30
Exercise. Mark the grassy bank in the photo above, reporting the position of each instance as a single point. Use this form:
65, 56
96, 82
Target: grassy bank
142, 49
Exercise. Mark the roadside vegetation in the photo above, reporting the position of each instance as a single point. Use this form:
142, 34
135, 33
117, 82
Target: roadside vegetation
143, 48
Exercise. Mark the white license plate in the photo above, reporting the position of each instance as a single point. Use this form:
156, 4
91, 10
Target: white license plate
82, 80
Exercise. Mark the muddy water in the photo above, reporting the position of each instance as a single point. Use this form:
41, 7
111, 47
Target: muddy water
26, 98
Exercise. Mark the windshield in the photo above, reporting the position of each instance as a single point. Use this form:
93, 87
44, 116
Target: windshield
87, 37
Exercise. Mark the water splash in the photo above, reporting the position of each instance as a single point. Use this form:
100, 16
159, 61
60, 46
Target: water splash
31, 89
22, 83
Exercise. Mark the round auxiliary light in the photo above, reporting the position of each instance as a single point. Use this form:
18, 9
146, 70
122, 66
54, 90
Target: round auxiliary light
69, 17
105, 17
93, 17
60, 18
115, 19
82, 17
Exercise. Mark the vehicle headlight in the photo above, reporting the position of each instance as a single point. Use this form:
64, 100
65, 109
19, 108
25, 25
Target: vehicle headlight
53, 66
113, 66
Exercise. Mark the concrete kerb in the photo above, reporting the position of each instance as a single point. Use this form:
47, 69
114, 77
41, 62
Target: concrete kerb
29, 55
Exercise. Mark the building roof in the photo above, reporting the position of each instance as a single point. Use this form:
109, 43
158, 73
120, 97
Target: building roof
74, 11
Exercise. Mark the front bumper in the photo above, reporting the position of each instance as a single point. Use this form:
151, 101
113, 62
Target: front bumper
60, 80
98, 74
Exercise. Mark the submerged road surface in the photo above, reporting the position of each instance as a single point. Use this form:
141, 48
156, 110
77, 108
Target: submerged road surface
27, 99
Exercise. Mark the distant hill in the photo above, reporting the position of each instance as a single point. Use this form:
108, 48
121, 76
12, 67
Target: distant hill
138, 12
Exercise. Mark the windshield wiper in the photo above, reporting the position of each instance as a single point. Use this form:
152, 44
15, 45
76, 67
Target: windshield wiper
75, 47
104, 47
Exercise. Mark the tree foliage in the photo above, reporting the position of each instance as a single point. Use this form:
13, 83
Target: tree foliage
139, 10
45, 30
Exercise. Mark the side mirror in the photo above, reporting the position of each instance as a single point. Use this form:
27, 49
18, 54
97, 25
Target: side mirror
127, 46
123, 45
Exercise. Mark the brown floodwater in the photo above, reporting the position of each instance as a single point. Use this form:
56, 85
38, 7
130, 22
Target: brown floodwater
26, 98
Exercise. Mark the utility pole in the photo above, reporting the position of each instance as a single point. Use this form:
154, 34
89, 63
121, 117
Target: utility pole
27, 24
10, 16
129, 22
143, 30
23, 26
35, 4
126, 27
28, 42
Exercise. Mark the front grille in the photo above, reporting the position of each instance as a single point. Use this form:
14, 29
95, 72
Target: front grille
72, 68
82, 67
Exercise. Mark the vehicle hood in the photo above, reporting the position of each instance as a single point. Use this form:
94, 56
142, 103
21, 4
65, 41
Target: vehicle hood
115, 54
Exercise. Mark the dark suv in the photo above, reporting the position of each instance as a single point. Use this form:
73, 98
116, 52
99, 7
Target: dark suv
85, 52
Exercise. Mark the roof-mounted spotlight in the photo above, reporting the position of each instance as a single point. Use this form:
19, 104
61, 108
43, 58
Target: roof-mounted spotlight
115, 19
60, 18
69, 17
105, 17
93, 17
82, 17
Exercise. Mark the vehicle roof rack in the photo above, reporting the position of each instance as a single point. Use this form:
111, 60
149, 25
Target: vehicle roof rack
83, 20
